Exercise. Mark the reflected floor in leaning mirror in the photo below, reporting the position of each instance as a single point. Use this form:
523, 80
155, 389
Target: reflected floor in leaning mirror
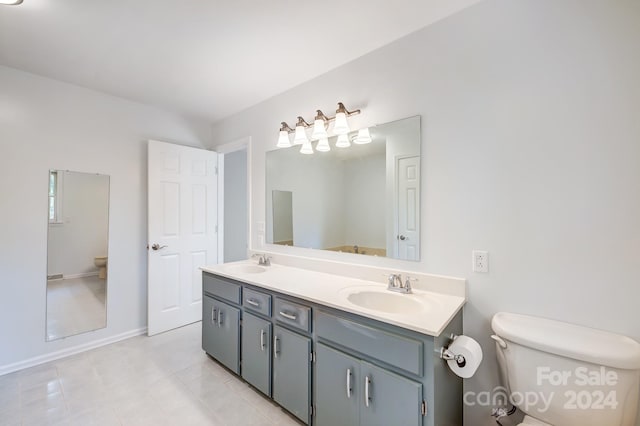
162, 380
75, 305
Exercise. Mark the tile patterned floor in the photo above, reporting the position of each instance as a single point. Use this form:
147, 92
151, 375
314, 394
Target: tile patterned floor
161, 380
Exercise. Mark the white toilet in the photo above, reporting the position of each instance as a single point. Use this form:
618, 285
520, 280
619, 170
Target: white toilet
101, 263
562, 374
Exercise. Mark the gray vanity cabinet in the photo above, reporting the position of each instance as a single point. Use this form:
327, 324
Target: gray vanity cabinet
328, 367
292, 372
337, 395
389, 399
220, 332
349, 391
256, 352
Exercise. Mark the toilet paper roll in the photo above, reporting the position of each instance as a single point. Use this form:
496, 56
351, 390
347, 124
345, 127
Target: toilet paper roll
472, 353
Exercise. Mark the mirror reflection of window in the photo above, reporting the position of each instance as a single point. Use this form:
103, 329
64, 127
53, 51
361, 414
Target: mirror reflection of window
76, 253
282, 217
54, 190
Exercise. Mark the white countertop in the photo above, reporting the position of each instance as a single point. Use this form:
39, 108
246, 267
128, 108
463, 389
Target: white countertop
438, 309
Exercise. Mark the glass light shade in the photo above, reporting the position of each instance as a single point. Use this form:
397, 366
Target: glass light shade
283, 140
306, 147
341, 127
300, 136
363, 136
343, 141
319, 132
10, 2
323, 145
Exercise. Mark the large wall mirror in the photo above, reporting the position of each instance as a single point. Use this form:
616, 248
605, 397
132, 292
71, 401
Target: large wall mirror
364, 198
77, 258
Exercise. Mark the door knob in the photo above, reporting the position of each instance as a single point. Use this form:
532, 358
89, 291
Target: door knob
157, 246
402, 237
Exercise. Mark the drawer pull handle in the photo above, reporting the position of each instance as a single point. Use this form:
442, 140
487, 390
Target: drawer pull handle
291, 317
367, 382
262, 345
219, 318
349, 389
252, 302
275, 346
214, 315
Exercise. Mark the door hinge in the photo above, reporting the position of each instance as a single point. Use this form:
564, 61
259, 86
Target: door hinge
423, 408
216, 170
312, 410
216, 228
312, 356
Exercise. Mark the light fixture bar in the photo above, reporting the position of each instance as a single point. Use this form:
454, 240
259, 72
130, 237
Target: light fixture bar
320, 125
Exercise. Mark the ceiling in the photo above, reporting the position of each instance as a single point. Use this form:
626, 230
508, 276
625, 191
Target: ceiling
203, 58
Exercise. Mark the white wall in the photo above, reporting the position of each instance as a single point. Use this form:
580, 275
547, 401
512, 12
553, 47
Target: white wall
316, 198
530, 150
82, 233
235, 205
45, 124
364, 201
282, 212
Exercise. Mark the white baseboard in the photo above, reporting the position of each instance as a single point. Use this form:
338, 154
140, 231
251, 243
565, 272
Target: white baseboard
82, 275
32, 362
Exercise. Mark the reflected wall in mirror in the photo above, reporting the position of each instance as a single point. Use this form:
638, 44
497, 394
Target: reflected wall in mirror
282, 217
77, 257
364, 198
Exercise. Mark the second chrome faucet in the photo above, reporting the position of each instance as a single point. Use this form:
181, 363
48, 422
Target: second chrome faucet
396, 283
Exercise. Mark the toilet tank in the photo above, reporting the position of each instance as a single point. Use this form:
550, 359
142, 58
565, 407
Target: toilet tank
566, 375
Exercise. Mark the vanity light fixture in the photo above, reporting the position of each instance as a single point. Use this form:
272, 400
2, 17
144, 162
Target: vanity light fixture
341, 127
363, 137
343, 141
11, 2
283, 140
323, 145
306, 147
301, 132
320, 125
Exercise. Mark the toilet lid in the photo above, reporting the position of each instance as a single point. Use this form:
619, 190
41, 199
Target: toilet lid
530, 421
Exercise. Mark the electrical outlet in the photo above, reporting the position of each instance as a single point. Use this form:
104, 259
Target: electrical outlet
480, 261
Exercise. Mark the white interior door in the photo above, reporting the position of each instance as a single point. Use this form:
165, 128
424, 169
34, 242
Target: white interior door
182, 214
408, 213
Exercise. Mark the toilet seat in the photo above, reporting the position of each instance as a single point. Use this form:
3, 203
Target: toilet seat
530, 421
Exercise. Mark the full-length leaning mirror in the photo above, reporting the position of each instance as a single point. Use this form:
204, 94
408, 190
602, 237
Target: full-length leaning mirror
77, 258
364, 198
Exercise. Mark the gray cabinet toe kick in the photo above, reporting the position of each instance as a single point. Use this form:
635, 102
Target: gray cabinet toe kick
327, 366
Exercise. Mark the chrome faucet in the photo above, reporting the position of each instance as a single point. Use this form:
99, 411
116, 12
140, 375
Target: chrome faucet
263, 259
396, 284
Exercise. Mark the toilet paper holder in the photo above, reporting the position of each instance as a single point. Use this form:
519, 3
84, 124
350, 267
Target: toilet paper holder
447, 355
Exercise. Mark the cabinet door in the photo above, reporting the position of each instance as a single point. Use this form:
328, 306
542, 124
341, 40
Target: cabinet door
337, 390
291, 372
388, 399
209, 324
223, 334
256, 352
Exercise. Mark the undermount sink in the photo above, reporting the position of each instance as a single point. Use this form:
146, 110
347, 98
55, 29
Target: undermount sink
383, 300
244, 269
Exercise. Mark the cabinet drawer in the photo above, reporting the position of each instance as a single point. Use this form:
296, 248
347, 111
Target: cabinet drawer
221, 288
256, 301
293, 314
399, 351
